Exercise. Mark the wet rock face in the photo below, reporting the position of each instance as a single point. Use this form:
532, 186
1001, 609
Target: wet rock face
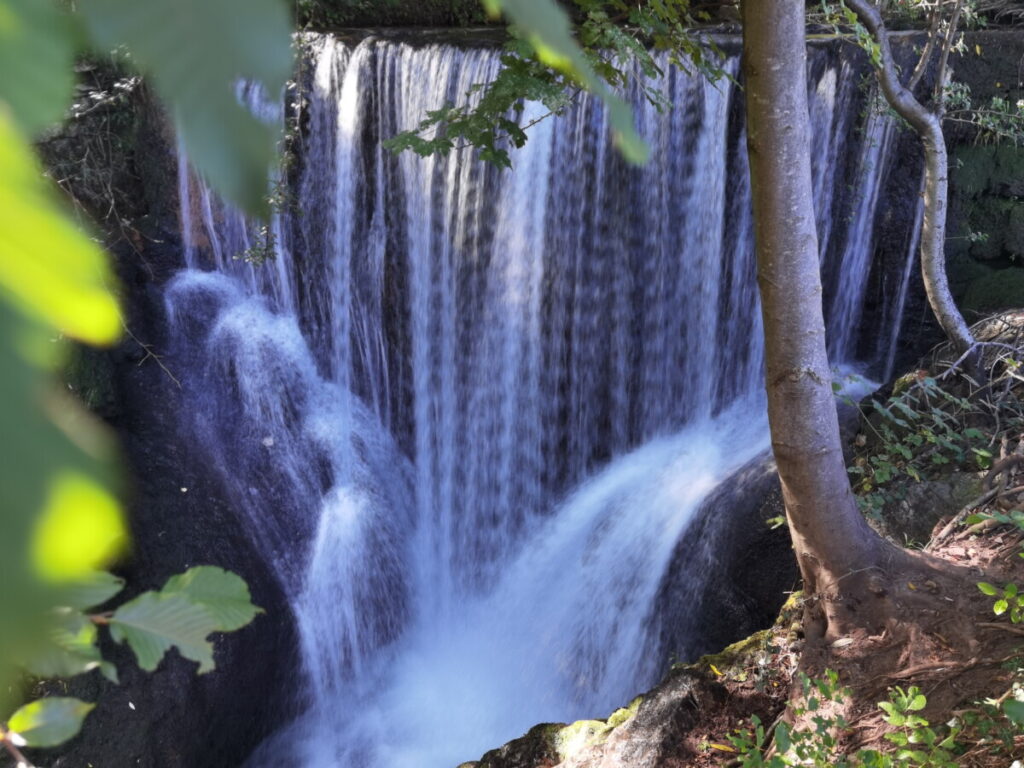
179, 517
732, 570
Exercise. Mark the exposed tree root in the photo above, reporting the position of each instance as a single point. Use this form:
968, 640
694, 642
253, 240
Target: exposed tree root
926, 625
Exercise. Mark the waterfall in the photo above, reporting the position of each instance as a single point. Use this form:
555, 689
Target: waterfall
467, 413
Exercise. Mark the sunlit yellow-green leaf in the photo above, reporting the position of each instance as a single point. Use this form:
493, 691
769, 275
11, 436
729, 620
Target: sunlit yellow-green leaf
79, 531
48, 268
549, 31
49, 722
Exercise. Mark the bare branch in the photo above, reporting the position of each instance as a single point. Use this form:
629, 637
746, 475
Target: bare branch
926, 54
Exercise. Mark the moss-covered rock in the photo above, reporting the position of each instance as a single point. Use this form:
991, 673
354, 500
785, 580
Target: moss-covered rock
1015, 233
1001, 289
962, 270
972, 169
989, 216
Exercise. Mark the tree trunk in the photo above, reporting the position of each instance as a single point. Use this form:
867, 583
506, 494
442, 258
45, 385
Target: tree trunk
831, 538
928, 125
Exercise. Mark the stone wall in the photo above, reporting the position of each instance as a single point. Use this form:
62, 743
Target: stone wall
985, 249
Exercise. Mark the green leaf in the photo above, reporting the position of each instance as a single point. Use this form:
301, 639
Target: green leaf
153, 623
548, 29
917, 703
195, 51
36, 58
782, 739
223, 594
899, 738
48, 269
72, 648
49, 722
999, 607
987, 588
92, 590
1014, 710
1010, 591
79, 530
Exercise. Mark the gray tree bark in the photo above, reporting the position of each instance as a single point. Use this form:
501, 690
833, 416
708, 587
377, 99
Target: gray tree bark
928, 125
831, 538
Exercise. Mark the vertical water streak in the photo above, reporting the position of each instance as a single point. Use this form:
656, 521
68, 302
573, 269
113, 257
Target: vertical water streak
893, 320
468, 413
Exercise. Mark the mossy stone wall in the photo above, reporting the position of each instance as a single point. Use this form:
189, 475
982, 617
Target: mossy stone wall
327, 14
985, 245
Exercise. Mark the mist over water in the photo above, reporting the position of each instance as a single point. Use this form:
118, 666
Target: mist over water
467, 414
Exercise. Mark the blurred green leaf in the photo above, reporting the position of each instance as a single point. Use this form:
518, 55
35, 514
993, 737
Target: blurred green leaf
48, 268
49, 722
91, 590
1014, 710
223, 594
195, 51
72, 648
80, 529
36, 60
549, 31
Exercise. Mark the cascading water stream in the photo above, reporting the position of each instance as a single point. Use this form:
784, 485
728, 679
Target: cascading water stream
468, 413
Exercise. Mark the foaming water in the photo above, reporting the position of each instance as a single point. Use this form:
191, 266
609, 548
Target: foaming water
468, 414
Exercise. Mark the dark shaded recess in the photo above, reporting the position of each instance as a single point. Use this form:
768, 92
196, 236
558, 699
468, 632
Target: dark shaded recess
172, 717
731, 572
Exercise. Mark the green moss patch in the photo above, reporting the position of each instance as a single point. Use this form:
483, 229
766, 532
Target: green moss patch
1001, 289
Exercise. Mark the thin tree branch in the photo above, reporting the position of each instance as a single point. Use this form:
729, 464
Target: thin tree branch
926, 54
13, 751
942, 75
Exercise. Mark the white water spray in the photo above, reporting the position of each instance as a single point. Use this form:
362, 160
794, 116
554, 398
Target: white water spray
468, 414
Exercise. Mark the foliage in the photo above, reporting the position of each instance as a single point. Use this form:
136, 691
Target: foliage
61, 521
915, 743
223, 43
1008, 601
998, 120
183, 614
543, 63
919, 431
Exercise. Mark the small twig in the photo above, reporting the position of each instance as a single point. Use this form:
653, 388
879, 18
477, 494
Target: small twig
150, 354
1012, 628
958, 518
932, 666
12, 749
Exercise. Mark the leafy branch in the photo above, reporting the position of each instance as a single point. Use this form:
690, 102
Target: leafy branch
183, 614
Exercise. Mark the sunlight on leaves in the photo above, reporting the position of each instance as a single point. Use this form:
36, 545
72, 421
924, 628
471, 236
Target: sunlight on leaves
79, 531
549, 31
48, 268
49, 722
